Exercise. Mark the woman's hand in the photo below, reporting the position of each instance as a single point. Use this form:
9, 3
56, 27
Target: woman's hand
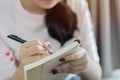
33, 51
81, 64
75, 63
30, 52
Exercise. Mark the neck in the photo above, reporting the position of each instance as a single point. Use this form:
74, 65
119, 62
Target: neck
31, 7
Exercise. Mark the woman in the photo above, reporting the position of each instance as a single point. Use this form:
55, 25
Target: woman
57, 21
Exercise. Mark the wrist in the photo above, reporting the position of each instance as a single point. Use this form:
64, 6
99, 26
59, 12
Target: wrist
93, 71
18, 75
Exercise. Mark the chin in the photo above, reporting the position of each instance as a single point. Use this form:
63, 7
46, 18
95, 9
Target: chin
47, 7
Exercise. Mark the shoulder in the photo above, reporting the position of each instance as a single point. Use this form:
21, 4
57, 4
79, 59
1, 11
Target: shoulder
77, 5
80, 7
5, 14
4, 4
5, 7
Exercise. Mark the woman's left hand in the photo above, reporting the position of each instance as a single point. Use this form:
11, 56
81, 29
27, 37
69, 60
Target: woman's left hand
75, 63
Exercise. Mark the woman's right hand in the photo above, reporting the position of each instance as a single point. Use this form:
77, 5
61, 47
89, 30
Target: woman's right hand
30, 52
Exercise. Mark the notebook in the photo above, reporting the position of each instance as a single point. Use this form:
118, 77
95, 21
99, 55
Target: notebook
41, 70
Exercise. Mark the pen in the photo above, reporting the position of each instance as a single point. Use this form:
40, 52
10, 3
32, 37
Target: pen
18, 39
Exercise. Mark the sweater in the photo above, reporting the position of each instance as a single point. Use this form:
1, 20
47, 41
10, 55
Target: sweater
14, 19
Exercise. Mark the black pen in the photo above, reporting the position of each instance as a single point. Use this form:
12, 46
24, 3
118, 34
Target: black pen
18, 39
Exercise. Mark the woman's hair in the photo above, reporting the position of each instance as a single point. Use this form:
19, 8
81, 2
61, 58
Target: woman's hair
61, 22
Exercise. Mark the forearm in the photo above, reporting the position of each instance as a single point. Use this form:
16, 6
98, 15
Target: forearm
18, 75
93, 72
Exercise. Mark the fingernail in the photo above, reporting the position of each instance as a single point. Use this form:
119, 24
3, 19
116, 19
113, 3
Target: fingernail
50, 52
54, 71
77, 40
49, 45
62, 59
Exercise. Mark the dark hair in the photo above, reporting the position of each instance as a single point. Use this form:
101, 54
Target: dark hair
61, 22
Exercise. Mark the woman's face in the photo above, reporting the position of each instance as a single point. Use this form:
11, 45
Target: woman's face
46, 4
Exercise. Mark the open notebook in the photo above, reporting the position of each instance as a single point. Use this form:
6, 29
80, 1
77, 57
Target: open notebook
41, 70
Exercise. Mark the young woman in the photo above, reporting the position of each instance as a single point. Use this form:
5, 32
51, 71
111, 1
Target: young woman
57, 21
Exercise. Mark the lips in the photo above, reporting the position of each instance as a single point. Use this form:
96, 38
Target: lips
48, 1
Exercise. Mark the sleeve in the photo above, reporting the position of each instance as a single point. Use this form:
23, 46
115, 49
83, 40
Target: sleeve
85, 32
7, 62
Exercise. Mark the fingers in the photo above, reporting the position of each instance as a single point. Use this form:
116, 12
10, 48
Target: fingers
31, 43
73, 70
32, 59
69, 68
36, 50
31, 51
80, 61
74, 63
75, 56
47, 45
33, 48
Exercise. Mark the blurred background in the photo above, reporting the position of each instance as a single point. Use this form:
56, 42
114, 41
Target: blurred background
106, 19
